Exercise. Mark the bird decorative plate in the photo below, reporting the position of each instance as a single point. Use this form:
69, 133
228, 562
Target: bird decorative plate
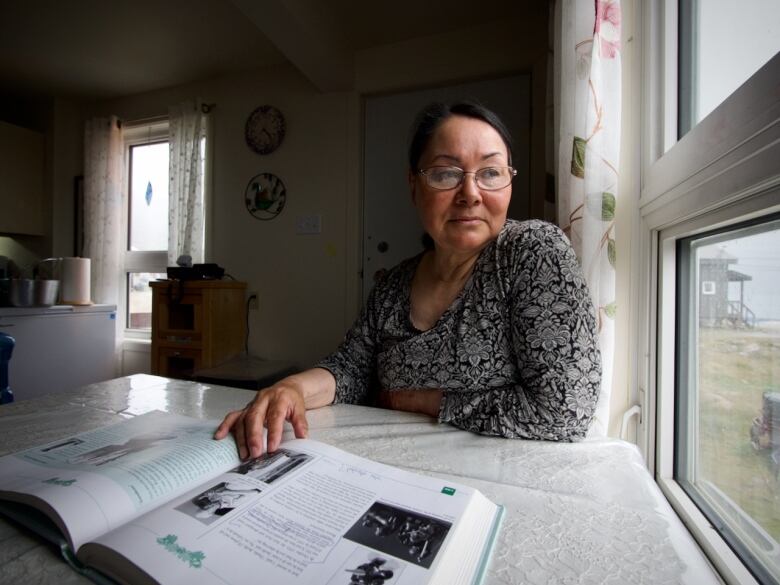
265, 129
265, 196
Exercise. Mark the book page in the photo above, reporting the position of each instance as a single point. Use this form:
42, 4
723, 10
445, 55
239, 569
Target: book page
98, 480
308, 513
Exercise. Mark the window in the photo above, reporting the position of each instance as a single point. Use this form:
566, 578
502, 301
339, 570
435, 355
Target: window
722, 43
148, 196
146, 150
727, 438
710, 198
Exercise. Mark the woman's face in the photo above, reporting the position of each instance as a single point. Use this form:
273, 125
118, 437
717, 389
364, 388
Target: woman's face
466, 218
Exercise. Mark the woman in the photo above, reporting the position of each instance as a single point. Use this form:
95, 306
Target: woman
490, 329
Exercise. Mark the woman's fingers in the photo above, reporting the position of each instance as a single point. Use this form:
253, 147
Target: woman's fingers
299, 424
238, 433
269, 409
233, 422
253, 425
227, 424
289, 405
277, 414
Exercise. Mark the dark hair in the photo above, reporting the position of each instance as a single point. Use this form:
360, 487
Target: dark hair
431, 117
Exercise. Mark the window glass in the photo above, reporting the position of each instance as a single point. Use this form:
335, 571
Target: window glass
149, 197
728, 378
722, 44
139, 299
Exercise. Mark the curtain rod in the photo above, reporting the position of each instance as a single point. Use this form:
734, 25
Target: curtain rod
205, 108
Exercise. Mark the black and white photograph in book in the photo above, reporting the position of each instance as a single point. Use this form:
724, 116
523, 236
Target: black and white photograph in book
271, 466
111, 453
401, 533
366, 567
218, 500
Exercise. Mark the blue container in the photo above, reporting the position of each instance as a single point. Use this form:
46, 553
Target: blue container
6, 349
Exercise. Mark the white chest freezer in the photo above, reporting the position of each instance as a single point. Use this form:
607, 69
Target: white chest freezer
59, 348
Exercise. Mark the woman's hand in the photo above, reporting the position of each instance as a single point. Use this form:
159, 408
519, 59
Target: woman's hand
286, 400
424, 400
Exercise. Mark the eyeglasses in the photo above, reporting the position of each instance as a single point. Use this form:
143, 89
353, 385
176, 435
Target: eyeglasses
489, 178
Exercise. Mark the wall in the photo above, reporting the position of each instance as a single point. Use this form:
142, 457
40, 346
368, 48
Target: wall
25, 251
300, 279
309, 284
66, 155
61, 121
488, 50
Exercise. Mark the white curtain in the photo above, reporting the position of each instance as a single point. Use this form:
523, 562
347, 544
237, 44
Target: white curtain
103, 211
587, 96
103, 207
185, 196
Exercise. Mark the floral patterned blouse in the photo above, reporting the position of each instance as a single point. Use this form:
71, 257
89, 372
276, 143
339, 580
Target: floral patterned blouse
516, 353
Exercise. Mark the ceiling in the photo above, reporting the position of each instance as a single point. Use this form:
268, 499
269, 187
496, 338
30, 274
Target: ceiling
97, 49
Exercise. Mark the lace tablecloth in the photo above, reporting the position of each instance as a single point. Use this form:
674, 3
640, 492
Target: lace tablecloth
583, 513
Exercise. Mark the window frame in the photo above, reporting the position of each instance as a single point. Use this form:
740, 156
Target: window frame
136, 134
684, 331
663, 370
722, 172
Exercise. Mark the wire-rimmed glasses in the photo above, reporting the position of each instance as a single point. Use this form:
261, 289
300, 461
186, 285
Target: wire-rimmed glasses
489, 178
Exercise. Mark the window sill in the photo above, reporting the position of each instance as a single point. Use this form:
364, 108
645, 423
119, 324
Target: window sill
137, 343
726, 563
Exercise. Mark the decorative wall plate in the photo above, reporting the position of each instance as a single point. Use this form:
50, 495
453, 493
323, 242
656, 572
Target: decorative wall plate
264, 129
265, 196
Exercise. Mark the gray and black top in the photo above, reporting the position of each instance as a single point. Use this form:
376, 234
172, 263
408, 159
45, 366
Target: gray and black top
516, 353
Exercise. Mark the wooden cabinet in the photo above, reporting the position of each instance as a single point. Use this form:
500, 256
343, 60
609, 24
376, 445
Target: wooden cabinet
21, 180
196, 324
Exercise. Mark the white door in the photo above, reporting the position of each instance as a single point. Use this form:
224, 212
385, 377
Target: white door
391, 230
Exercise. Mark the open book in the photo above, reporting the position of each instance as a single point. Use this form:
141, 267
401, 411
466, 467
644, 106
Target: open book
155, 499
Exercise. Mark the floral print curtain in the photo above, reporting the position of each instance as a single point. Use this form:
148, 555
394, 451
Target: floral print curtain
187, 129
588, 94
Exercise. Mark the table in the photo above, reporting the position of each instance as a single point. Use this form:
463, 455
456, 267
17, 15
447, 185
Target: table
246, 372
583, 513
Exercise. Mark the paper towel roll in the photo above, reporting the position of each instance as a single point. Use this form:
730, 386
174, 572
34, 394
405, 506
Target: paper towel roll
75, 283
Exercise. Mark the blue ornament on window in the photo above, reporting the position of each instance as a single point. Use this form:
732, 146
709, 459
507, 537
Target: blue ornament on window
149, 193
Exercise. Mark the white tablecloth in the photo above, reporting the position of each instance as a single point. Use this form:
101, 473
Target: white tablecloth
582, 513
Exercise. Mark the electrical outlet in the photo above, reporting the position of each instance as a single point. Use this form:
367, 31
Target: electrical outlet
253, 299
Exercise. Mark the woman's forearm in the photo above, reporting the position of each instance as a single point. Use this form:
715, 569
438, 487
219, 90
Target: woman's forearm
423, 400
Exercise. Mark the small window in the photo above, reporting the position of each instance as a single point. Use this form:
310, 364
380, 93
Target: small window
146, 187
139, 299
727, 436
148, 218
721, 45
